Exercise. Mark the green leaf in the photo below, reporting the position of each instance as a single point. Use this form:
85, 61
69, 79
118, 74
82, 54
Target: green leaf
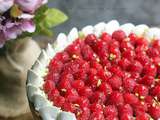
54, 17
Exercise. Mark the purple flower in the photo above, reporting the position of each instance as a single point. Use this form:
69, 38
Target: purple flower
30, 5
5, 5
11, 30
10, 26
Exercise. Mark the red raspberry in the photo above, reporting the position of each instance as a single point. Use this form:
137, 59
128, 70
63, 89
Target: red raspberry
110, 110
96, 116
91, 39
126, 117
85, 114
71, 95
106, 88
96, 107
88, 53
147, 80
62, 56
150, 69
116, 98
59, 101
140, 108
129, 54
106, 37
78, 84
83, 101
98, 97
156, 91
143, 116
96, 65
129, 84
117, 71
48, 86
153, 52
142, 58
142, 42
69, 107
156, 43
86, 91
125, 109
104, 75
125, 45
154, 112
136, 67
54, 77
115, 82
64, 84
119, 35
130, 98
74, 49
124, 63
53, 93
141, 90
133, 38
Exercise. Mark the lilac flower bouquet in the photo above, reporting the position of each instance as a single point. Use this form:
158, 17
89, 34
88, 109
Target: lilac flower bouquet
20, 18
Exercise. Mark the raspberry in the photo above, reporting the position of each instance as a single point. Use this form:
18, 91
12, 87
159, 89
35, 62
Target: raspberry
86, 91
64, 84
87, 53
48, 86
125, 45
115, 82
124, 63
130, 98
147, 80
110, 110
106, 88
141, 90
129, 84
142, 42
129, 54
59, 101
74, 49
78, 84
117, 71
125, 109
58, 66
136, 67
106, 37
152, 52
71, 95
69, 107
119, 35
156, 91
156, 43
53, 93
126, 117
96, 107
144, 116
91, 39
96, 116
83, 101
150, 69
98, 97
154, 112
116, 98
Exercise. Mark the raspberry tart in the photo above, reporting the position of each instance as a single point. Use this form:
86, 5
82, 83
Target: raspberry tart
103, 72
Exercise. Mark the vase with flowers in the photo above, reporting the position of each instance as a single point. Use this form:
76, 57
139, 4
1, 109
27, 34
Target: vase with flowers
19, 21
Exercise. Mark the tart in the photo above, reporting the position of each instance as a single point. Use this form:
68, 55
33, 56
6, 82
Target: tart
102, 72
